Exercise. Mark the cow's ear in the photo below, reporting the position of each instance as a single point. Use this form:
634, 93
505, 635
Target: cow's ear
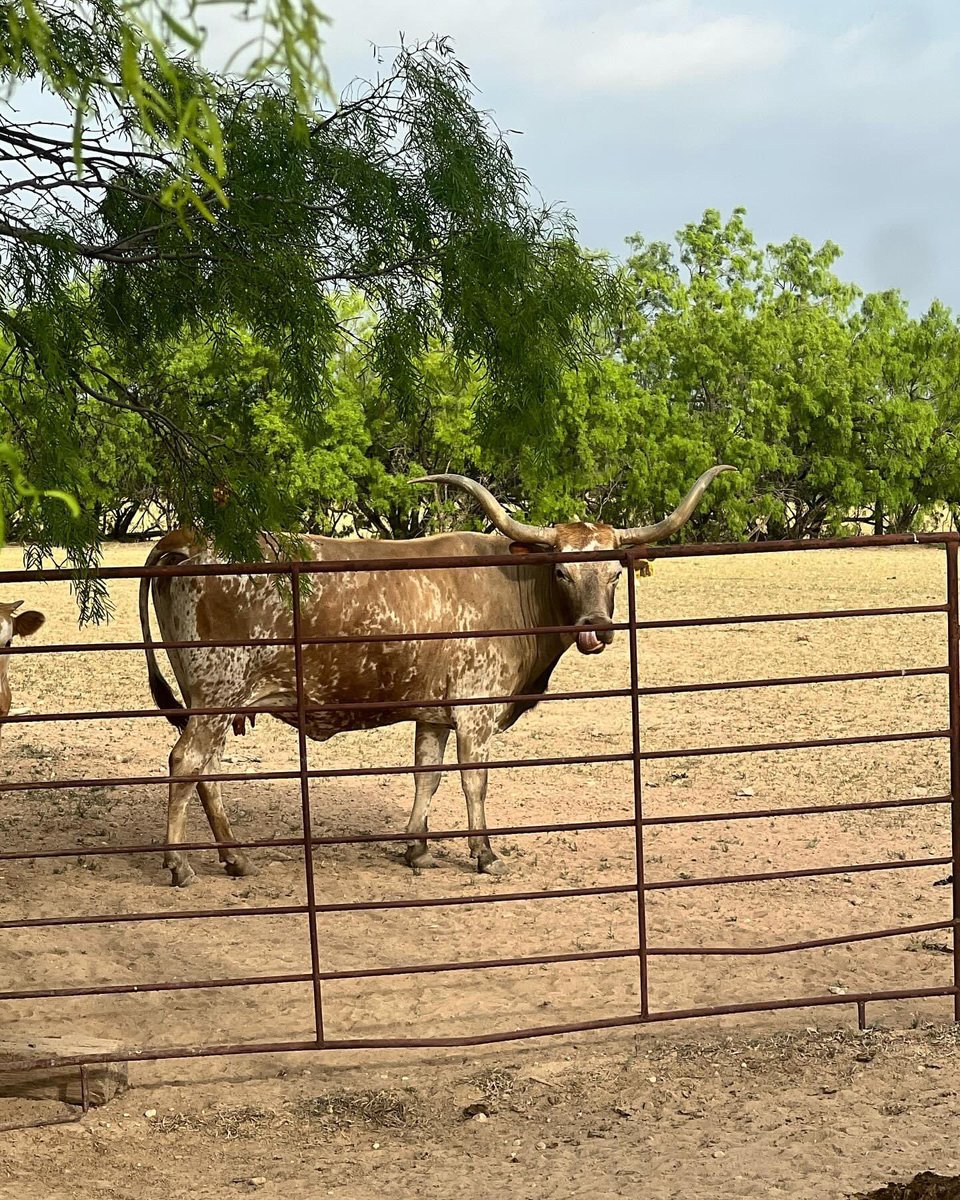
520, 548
26, 623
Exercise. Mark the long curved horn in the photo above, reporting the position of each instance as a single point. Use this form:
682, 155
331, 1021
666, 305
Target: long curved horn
641, 535
540, 535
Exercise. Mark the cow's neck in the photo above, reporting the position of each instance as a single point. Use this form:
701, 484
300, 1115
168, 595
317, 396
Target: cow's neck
542, 605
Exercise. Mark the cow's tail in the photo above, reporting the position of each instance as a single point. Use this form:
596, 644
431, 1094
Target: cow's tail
162, 692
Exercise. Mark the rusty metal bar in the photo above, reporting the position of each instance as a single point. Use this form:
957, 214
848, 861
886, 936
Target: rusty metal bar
467, 634
466, 701
290, 710
81, 851
310, 882
124, 989
314, 566
762, 618
301, 909
339, 840
861, 739
530, 960
843, 939
34, 785
862, 541
276, 910
953, 657
794, 811
365, 566
637, 786
348, 839
155, 1054
332, 639
803, 873
673, 689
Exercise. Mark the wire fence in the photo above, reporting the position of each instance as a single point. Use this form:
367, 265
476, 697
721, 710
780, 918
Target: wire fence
637, 889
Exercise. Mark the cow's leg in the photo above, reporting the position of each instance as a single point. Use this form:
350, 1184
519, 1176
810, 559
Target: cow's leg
473, 745
235, 862
199, 744
430, 741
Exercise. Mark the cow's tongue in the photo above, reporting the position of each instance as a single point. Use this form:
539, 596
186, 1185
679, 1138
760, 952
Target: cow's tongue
588, 642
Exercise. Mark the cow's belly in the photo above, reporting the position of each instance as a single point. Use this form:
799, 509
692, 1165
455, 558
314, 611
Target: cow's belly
320, 727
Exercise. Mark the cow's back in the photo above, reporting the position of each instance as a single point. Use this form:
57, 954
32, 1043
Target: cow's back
353, 604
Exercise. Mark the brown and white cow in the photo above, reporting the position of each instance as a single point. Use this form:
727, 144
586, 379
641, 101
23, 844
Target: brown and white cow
515, 596
13, 624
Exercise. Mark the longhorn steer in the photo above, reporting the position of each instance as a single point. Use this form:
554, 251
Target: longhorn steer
13, 624
455, 599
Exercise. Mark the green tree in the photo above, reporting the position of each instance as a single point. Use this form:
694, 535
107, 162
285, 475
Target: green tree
185, 204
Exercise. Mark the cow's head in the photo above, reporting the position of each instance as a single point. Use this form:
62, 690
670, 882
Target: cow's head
586, 589
13, 624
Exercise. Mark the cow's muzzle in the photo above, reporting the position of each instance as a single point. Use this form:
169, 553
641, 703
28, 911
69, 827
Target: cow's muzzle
592, 641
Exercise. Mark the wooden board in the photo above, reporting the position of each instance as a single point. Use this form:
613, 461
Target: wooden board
104, 1080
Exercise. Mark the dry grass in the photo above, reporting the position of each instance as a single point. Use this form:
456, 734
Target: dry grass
229, 1122
376, 1109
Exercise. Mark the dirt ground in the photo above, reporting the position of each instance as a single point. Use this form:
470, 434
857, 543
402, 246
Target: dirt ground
793, 1103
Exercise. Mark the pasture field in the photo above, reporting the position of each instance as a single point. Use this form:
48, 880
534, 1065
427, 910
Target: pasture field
794, 1103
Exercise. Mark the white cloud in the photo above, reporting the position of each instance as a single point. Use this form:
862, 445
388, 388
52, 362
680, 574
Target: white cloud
643, 59
620, 46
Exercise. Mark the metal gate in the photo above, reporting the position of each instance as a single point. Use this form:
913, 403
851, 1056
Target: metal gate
638, 889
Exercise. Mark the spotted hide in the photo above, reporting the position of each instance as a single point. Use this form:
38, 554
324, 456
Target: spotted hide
519, 595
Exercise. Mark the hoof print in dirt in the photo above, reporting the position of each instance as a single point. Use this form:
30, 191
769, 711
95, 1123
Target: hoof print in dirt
478, 1111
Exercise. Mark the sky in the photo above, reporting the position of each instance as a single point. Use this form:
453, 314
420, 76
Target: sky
830, 120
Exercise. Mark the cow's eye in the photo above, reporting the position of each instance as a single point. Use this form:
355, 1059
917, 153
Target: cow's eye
562, 573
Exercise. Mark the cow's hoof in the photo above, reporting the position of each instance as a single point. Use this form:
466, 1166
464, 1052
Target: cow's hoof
239, 867
489, 864
418, 859
182, 875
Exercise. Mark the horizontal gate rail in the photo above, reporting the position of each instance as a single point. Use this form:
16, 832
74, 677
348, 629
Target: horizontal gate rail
760, 618
473, 701
842, 939
799, 810
801, 873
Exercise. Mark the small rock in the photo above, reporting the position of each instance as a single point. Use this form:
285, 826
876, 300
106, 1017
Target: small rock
150, 1113
258, 1180
480, 1116
745, 792
479, 1109
836, 990
376, 1146
541, 1145
719, 1154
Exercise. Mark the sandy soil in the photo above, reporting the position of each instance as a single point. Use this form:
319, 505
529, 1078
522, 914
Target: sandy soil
752, 1105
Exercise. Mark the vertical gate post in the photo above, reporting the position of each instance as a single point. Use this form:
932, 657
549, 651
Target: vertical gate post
305, 804
953, 675
637, 779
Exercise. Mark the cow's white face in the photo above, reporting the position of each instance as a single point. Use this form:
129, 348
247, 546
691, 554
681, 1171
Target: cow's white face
13, 624
588, 588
